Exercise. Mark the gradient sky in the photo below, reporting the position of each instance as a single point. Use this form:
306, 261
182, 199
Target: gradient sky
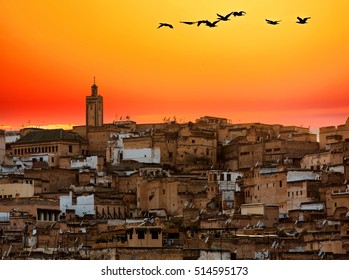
244, 69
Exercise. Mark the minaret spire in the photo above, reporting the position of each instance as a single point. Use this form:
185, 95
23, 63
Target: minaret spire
94, 88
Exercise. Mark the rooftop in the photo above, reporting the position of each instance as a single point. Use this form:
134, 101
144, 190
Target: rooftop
50, 135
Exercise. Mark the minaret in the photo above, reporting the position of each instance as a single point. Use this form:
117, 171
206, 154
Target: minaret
94, 107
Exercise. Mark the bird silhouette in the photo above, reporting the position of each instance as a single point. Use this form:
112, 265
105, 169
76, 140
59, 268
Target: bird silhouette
302, 20
224, 18
188, 22
202, 21
273, 22
161, 24
212, 24
239, 14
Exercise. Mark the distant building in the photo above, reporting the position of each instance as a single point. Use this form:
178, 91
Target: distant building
332, 134
94, 108
45, 147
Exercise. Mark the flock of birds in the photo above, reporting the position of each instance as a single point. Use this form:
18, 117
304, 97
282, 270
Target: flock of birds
226, 18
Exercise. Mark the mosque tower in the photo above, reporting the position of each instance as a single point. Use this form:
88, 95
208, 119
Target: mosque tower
94, 107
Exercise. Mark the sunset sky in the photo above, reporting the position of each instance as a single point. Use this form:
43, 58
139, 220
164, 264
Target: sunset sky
243, 69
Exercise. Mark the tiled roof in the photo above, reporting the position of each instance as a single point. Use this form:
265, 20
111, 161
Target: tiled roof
50, 135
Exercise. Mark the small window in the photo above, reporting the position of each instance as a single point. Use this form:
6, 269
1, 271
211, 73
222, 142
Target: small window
280, 184
154, 234
141, 234
70, 148
193, 141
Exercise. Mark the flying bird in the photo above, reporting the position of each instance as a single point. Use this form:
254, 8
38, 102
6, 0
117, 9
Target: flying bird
302, 20
188, 22
273, 22
165, 24
212, 24
224, 18
202, 21
239, 14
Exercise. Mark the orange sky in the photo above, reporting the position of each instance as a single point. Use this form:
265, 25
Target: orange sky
244, 69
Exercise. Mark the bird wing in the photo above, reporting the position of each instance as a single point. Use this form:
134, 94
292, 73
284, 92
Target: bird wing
220, 16
202, 21
228, 15
299, 18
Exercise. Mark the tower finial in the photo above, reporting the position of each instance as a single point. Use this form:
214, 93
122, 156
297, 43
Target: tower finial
94, 79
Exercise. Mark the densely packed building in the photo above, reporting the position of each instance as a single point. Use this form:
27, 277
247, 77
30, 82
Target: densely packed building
208, 189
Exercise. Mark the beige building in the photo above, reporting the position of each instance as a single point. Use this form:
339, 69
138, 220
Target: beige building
25, 189
267, 185
197, 149
47, 146
2, 146
321, 160
155, 190
243, 155
333, 134
144, 236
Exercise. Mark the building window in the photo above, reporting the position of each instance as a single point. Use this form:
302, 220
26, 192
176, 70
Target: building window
170, 155
154, 234
163, 191
228, 177
141, 234
70, 148
221, 177
280, 184
193, 141
276, 149
52, 160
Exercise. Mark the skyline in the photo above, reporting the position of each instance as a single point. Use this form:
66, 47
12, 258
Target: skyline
244, 69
